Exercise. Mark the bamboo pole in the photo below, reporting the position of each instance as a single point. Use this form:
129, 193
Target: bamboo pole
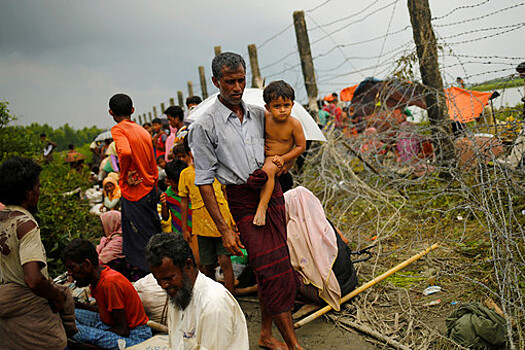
217, 50
366, 285
172, 101
162, 108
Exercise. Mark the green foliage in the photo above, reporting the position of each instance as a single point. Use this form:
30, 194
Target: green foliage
65, 134
5, 116
498, 84
63, 217
18, 141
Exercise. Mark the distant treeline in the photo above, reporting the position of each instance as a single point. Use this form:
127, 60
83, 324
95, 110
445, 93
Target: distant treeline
25, 140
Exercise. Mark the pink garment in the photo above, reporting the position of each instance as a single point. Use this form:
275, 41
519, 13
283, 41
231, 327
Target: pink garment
170, 141
312, 243
110, 247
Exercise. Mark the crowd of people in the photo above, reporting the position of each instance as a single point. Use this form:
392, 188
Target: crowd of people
177, 204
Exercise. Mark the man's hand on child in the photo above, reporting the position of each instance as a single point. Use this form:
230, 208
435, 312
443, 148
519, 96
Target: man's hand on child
286, 167
278, 160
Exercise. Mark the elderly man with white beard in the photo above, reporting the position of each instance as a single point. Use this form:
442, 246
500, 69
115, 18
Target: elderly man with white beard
202, 314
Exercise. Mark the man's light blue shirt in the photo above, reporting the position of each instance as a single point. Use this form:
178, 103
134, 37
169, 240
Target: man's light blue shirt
225, 148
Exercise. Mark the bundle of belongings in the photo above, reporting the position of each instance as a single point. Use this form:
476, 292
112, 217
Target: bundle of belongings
477, 327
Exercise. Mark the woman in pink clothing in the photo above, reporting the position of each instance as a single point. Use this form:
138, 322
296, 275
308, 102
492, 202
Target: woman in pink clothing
110, 248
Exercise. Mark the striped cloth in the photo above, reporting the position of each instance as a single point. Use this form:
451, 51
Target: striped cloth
266, 245
174, 203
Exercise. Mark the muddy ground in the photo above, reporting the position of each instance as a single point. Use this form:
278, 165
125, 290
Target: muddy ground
318, 334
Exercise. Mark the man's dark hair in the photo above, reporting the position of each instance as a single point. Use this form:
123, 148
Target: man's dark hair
79, 250
276, 89
17, 177
71, 146
159, 158
168, 245
146, 124
121, 105
175, 112
521, 67
193, 100
334, 95
156, 121
229, 59
43, 134
174, 168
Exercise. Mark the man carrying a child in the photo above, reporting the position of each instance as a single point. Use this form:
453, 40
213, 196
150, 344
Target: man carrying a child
228, 143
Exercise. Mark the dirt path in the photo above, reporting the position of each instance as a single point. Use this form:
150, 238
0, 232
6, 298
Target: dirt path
318, 334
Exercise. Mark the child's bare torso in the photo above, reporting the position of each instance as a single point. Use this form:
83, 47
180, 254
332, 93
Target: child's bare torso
279, 138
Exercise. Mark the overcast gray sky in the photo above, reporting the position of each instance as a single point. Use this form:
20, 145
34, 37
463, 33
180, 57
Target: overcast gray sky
61, 60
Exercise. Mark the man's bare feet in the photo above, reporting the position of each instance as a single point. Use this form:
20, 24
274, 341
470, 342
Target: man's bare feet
260, 217
272, 343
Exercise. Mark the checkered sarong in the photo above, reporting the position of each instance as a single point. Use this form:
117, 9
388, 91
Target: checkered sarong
92, 330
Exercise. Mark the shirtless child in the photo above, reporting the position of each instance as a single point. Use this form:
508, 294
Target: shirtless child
284, 139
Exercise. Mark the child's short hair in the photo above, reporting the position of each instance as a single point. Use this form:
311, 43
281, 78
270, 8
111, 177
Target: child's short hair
193, 100
156, 121
276, 89
159, 158
175, 112
146, 124
121, 105
174, 168
179, 150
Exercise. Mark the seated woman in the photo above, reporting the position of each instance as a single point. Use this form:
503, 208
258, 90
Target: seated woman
317, 251
110, 248
111, 192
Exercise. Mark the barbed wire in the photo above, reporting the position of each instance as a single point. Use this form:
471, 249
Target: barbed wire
517, 27
479, 17
459, 8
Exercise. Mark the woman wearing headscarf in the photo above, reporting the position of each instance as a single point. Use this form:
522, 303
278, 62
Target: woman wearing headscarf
111, 192
110, 248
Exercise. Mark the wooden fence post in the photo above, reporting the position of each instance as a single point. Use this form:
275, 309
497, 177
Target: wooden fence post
154, 112
426, 48
190, 89
181, 99
307, 64
162, 108
257, 81
150, 117
172, 101
140, 119
217, 50
204, 87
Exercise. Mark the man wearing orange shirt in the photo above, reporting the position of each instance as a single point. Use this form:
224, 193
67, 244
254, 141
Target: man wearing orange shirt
138, 181
119, 314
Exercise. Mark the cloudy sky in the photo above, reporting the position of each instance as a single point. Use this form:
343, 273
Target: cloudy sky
61, 60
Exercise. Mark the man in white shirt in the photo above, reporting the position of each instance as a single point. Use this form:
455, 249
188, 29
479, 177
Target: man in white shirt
202, 313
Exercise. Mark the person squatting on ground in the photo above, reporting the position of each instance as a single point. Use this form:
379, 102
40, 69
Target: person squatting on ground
284, 139
29, 300
120, 313
138, 181
227, 142
202, 314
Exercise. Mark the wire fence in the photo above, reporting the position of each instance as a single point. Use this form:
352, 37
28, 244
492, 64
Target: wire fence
385, 178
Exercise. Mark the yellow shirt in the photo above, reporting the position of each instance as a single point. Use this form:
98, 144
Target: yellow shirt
202, 223
187, 188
